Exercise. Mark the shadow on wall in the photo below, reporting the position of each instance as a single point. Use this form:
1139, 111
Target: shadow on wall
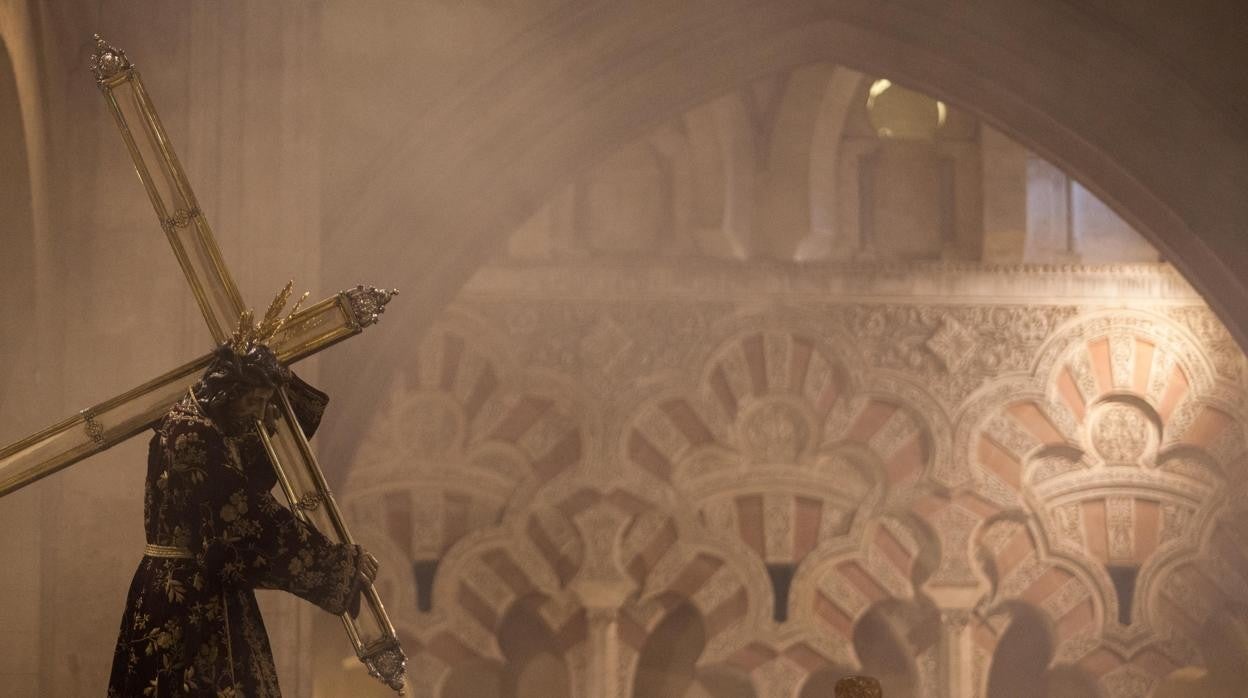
534, 662
882, 656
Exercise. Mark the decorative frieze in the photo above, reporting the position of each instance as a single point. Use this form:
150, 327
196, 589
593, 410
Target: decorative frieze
786, 416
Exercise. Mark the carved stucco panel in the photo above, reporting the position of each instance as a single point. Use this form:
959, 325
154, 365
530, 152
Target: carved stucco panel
609, 344
1080, 367
1068, 532
1160, 375
999, 534
1011, 435
1120, 520
1175, 519
1127, 682
954, 525
895, 433
1122, 359
777, 352
839, 591
1066, 598
1021, 577
778, 678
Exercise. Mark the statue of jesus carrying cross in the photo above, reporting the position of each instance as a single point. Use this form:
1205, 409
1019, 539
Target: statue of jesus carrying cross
229, 427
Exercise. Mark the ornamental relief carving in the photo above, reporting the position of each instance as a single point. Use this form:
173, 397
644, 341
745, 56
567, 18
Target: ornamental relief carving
855, 447
1113, 495
1120, 434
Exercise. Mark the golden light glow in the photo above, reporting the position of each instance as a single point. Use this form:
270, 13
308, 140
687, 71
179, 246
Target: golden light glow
902, 114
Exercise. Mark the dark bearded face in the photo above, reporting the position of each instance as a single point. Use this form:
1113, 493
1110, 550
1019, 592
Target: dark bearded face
236, 390
251, 404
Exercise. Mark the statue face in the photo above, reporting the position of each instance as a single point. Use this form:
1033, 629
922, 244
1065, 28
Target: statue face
251, 404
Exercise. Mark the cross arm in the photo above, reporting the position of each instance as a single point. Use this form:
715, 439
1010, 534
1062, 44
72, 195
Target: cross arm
117, 419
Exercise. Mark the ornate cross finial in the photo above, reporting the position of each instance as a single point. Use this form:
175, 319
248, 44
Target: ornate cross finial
108, 61
368, 303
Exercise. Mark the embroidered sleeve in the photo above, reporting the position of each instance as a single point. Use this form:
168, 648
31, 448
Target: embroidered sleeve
244, 537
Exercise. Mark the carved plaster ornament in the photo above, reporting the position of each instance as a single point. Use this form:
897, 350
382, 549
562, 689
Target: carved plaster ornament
1120, 433
943, 365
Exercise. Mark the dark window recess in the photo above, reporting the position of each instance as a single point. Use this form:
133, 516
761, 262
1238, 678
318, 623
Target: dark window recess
1123, 577
781, 578
424, 571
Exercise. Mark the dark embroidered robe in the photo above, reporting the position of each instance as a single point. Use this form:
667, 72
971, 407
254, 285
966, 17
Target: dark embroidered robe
191, 626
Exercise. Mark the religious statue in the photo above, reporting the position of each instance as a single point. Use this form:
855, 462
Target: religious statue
215, 533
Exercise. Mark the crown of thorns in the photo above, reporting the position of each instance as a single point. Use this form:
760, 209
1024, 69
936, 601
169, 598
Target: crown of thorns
250, 334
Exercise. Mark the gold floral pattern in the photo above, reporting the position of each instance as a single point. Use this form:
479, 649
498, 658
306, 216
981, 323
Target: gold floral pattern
192, 626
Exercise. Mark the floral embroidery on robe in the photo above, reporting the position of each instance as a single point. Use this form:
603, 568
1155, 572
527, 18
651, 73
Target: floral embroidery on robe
191, 626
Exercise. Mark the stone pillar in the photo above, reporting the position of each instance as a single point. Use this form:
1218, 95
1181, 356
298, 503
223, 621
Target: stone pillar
1005, 198
602, 668
961, 666
602, 586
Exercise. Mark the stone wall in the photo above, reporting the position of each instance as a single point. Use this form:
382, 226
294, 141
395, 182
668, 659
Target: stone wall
738, 480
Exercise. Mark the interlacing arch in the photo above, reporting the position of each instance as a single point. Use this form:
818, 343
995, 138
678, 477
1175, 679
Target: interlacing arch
465, 428
462, 401
790, 453
774, 500
483, 579
1113, 457
1193, 587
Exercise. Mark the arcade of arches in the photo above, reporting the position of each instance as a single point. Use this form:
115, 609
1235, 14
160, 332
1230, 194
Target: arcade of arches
726, 364
816, 378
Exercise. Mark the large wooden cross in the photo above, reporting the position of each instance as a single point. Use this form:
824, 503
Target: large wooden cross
311, 330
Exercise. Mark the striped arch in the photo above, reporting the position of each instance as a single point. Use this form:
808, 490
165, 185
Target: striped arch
1021, 571
642, 542
840, 583
671, 568
785, 449
486, 574
1117, 443
781, 444
447, 652
1074, 606
1198, 584
772, 397
1130, 389
462, 430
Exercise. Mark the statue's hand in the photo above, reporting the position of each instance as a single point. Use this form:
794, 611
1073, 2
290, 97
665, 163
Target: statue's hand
368, 567
365, 573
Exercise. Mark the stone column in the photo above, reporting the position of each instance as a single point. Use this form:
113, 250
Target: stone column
602, 586
602, 668
961, 669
